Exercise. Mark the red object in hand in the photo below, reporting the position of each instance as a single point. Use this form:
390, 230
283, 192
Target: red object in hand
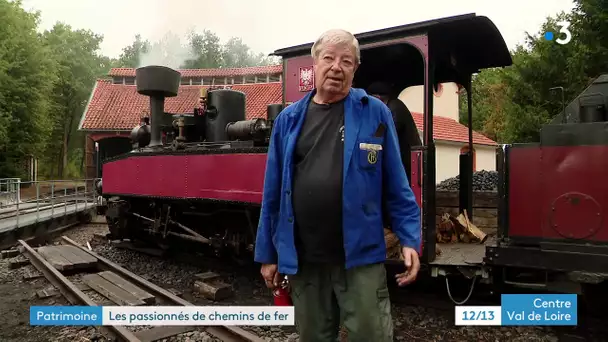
281, 294
281, 297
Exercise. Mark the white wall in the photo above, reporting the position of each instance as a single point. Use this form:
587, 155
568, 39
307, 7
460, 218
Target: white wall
448, 159
445, 104
445, 101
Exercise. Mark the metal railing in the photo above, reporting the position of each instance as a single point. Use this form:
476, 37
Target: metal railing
9, 190
28, 203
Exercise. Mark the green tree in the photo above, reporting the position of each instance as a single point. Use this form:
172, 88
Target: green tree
237, 54
79, 63
130, 56
590, 37
207, 50
199, 50
26, 75
512, 104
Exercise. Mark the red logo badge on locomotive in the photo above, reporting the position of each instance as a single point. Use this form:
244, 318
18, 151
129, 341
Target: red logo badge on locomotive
307, 79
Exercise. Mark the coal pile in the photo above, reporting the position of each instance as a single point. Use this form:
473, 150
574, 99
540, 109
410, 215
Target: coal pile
482, 181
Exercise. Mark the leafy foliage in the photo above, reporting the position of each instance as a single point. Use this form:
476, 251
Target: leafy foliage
511, 104
200, 51
26, 75
46, 81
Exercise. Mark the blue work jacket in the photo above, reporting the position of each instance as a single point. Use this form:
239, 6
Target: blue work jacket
373, 171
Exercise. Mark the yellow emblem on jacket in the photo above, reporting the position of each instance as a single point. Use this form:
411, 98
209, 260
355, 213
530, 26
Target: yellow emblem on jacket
372, 157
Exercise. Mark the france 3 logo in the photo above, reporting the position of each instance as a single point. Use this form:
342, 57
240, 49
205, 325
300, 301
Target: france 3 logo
564, 35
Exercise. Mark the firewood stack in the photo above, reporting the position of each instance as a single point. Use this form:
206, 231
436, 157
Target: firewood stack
458, 229
449, 230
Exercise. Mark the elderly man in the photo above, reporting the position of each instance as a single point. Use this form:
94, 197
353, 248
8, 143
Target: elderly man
332, 158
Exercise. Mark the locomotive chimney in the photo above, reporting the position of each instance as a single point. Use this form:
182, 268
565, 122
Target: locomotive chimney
157, 82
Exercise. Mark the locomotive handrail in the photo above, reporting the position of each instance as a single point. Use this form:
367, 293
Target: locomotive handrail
46, 199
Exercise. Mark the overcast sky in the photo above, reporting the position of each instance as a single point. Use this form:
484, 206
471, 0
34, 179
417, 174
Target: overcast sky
268, 25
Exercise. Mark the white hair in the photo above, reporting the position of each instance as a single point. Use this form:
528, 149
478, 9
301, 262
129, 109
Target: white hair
339, 37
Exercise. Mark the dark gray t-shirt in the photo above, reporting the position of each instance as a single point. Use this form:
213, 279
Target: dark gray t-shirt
317, 184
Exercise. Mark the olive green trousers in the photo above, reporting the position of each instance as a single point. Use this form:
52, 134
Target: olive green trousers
327, 296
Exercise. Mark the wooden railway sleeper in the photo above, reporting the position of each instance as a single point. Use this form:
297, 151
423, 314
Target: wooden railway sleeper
225, 333
70, 291
76, 297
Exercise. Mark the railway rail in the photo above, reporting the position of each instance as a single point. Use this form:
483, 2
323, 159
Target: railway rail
76, 296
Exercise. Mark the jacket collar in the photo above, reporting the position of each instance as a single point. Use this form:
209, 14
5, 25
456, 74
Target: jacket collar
355, 95
354, 103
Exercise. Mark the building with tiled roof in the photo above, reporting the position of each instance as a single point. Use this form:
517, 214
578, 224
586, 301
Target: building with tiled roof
115, 107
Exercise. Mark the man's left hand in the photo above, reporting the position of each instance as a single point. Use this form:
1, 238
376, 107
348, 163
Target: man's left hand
412, 265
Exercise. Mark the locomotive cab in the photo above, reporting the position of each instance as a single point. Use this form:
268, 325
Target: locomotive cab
423, 55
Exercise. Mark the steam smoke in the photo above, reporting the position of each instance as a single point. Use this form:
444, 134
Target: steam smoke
168, 51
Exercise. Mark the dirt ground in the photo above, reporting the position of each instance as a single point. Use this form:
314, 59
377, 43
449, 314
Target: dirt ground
17, 297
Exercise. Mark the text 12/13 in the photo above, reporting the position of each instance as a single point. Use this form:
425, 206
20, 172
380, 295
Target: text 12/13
477, 315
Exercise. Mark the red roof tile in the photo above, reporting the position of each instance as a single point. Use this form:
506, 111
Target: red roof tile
451, 130
222, 72
120, 107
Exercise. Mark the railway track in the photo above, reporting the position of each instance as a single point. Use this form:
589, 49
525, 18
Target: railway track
162, 297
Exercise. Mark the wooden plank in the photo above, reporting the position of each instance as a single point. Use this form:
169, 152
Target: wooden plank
52, 255
79, 252
484, 218
46, 293
78, 259
30, 274
111, 291
159, 333
127, 286
14, 264
10, 253
214, 291
481, 199
479, 212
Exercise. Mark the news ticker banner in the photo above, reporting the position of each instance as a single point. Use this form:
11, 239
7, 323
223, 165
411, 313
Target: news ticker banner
522, 309
515, 309
161, 315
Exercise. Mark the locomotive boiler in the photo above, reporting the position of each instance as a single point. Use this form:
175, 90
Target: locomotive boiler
196, 176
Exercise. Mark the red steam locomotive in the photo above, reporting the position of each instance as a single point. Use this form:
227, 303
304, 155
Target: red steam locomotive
199, 176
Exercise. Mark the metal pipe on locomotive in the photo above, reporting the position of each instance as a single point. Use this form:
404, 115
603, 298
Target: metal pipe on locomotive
220, 117
194, 146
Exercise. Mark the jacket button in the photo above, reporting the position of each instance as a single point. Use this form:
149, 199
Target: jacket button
290, 220
288, 192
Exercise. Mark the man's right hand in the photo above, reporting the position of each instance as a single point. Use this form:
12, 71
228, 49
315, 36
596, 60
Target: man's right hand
270, 275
